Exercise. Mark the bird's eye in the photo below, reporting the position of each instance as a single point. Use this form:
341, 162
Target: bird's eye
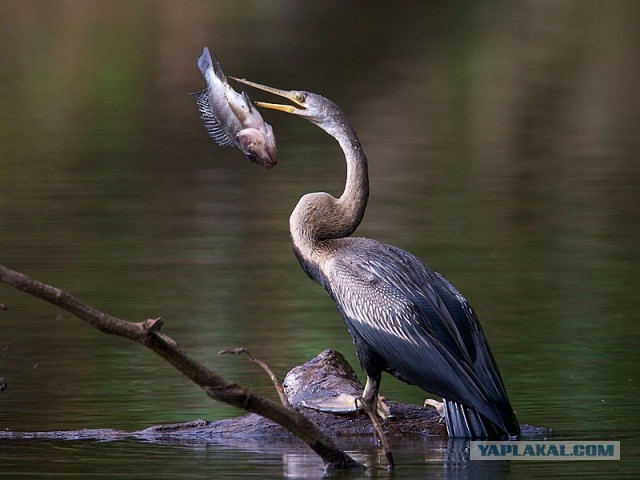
300, 97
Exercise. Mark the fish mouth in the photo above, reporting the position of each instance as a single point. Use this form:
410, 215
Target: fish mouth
294, 96
265, 161
257, 147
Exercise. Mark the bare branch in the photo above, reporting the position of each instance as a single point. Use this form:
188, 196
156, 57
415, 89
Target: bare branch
148, 334
264, 366
153, 326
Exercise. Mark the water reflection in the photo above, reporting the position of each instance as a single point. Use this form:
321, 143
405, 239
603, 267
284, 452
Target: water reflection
502, 141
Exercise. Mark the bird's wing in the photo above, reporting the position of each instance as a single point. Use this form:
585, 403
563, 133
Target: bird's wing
417, 322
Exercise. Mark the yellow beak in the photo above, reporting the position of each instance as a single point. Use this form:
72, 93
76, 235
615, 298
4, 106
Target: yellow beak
291, 95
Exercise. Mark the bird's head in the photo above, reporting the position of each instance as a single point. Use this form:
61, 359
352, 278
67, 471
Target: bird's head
317, 109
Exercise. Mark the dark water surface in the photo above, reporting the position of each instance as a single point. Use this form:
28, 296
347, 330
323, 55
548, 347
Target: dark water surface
503, 144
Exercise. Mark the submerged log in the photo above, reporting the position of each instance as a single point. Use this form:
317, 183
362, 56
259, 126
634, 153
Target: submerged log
326, 375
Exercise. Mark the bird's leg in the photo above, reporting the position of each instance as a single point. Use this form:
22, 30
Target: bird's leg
369, 403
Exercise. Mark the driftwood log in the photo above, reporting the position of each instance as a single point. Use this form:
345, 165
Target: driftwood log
326, 375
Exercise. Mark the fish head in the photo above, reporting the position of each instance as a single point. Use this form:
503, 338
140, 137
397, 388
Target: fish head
258, 147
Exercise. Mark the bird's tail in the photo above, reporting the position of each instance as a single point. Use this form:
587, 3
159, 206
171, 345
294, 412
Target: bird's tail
465, 422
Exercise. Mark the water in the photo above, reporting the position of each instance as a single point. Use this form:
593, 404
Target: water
503, 148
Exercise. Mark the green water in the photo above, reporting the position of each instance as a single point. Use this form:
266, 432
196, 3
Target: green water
503, 147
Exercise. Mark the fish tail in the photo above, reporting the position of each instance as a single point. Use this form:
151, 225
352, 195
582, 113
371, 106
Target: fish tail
204, 61
208, 67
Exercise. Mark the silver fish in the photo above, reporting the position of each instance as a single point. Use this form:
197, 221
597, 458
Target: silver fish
230, 118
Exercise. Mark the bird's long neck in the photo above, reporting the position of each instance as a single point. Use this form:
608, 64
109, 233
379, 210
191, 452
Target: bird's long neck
350, 207
320, 217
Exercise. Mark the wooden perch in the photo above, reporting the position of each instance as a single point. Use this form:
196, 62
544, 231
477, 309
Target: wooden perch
148, 334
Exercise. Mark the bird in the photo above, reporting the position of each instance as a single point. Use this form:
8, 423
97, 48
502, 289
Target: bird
405, 319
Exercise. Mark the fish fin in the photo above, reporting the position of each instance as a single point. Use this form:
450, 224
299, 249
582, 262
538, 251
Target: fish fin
211, 123
204, 61
245, 95
217, 69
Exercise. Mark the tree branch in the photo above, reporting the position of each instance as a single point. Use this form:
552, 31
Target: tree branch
148, 334
274, 378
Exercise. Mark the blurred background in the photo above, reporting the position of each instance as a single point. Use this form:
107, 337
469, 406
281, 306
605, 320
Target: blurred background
503, 145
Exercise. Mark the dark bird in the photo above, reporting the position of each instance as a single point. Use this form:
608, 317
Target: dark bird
230, 117
404, 318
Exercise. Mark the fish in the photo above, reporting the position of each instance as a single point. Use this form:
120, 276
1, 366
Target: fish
231, 118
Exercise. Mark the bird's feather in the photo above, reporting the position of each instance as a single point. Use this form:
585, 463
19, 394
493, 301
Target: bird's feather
416, 324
